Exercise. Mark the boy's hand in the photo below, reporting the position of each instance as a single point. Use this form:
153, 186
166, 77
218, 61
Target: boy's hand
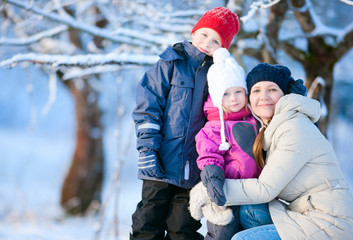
213, 179
149, 165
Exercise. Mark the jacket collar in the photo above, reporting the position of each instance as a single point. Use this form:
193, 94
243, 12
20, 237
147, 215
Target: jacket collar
195, 56
193, 52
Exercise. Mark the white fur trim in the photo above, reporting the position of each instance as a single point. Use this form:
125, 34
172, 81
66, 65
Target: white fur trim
201, 205
216, 214
198, 198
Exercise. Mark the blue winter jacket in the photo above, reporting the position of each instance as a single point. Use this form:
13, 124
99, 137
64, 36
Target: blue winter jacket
169, 111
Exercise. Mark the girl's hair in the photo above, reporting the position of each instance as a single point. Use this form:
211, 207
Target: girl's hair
257, 147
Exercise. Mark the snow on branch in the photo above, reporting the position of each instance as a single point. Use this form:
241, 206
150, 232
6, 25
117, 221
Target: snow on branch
33, 38
255, 6
348, 2
80, 25
186, 13
80, 60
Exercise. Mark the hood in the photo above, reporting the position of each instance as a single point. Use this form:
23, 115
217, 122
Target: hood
291, 106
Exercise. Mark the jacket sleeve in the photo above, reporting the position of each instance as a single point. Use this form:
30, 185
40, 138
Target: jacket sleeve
291, 152
207, 146
151, 97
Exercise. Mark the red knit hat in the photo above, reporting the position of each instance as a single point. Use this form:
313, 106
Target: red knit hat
223, 21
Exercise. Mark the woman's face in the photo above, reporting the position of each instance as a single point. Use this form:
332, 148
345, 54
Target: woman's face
263, 98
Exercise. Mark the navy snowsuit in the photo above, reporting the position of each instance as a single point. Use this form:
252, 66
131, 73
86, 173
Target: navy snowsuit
168, 115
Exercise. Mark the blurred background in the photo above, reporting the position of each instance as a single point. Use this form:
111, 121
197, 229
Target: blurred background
68, 72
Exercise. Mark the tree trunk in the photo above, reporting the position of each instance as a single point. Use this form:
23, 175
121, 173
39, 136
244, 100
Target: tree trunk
82, 185
320, 92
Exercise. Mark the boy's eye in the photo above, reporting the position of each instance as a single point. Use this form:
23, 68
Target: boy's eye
255, 91
204, 34
216, 42
226, 94
273, 89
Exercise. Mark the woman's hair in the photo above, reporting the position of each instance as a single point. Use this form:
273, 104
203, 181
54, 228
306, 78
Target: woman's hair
257, 147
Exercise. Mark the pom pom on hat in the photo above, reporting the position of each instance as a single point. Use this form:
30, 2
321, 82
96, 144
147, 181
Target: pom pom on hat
221, 20
223, 74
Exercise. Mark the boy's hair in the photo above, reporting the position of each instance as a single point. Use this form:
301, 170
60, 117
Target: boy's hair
221, 20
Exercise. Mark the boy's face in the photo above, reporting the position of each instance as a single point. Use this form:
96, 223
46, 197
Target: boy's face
206, 40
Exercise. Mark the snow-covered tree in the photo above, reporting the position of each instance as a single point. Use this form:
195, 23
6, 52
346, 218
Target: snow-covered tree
296, 28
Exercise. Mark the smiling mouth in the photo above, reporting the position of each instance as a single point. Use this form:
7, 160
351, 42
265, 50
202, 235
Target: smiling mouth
203, 50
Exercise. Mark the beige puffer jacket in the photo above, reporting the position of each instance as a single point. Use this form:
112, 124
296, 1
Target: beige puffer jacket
301, 169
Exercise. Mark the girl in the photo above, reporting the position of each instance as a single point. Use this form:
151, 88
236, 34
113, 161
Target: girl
224, 144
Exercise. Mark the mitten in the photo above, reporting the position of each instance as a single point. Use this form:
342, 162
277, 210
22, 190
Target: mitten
213, 178
297, 86
148, 164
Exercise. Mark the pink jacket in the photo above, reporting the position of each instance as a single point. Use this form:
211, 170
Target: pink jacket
240, 130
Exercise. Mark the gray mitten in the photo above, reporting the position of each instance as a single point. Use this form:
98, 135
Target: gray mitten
213, 178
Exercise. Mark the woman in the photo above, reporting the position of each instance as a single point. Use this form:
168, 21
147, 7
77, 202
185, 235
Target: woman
301, 168
301, 179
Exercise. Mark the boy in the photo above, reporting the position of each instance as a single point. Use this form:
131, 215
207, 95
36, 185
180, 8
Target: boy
168, 115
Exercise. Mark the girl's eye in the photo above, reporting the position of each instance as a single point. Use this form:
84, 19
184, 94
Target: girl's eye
255, 91
226, 94
204, 34
273, 89
216, 42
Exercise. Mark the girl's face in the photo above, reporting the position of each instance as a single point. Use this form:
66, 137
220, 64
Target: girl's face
206, 40
263, 98
234, 99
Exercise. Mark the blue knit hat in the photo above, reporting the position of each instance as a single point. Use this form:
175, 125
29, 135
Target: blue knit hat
278, 74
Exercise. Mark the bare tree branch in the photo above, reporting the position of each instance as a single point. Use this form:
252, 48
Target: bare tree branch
33, 38
80, 60
348, 2
293, 52
346, 44
255, 6
106, 34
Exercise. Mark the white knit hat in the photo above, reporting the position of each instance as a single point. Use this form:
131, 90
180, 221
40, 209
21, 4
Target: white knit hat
223, 74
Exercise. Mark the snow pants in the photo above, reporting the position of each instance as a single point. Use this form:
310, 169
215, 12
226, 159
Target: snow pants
163, 214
